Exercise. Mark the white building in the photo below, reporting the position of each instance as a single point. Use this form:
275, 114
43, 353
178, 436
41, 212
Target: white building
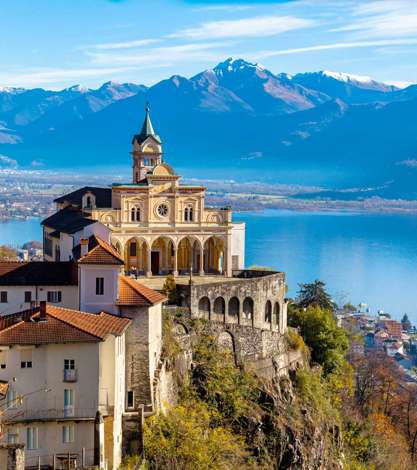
63, 366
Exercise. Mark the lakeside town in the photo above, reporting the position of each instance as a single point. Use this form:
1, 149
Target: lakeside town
30, 193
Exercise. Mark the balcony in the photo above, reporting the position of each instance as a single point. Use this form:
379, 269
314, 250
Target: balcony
70, 375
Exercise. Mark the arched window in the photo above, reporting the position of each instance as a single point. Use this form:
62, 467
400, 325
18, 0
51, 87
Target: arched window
189, 214
276, 313
248, 308
219, 306
268, 312
135, 214
204, 307
88, 201
234, 306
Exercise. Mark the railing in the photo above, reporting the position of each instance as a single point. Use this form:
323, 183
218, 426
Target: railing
68, 412
70, 375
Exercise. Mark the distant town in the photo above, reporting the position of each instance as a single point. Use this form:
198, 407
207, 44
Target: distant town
29, 193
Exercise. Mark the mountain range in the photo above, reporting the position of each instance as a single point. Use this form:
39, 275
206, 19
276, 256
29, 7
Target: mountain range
237, 119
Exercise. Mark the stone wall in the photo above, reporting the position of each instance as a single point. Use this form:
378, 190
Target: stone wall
251, 298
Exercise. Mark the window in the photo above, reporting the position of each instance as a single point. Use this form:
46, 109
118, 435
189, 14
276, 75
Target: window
68, 432
132, 249
3, 297
189, 214
12, 437
68, 402
130, 399
69, 364
32, 438
162, 210
54, 296
3, 359
135, 214
99, 285
28, 296
26, 359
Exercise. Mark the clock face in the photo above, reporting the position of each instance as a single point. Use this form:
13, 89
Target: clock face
162, 210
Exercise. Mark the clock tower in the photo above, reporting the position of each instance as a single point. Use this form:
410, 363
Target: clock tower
146, 150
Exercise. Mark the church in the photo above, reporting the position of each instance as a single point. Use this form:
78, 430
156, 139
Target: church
157, 224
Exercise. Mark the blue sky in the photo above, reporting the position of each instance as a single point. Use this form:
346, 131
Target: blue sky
55, 44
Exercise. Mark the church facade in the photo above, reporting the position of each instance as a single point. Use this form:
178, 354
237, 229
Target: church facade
159, 225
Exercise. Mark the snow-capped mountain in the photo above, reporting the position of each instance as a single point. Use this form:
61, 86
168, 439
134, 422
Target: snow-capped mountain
330, 123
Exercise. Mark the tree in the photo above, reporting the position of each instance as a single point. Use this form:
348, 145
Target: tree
314, 295
170, 289
405, 322
328, 342
185, 438
7, 253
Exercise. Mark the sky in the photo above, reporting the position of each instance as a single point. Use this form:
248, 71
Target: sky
56, 44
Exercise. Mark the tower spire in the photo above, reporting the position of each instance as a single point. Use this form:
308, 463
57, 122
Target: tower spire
147, 128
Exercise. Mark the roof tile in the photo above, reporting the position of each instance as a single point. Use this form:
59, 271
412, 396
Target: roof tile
132, 292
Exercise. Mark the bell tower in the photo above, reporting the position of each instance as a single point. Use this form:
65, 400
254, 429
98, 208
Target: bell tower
146, 150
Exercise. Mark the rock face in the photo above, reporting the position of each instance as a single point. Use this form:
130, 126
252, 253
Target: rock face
288, 429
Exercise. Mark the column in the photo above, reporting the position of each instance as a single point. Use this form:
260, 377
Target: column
175, 272
148, 262
201, 269
137, 257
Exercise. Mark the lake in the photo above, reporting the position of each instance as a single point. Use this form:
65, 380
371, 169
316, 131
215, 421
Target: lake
369, 258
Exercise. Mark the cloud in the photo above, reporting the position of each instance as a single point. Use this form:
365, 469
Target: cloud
259, 26
123, 45
7, 162
339, 45
382, 19
410, 163
163, 55
42, 77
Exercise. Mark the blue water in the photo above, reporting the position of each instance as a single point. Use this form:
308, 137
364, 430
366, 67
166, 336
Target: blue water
17, 232
362, 257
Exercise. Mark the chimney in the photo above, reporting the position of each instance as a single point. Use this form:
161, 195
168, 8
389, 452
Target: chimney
42, 310
84, 246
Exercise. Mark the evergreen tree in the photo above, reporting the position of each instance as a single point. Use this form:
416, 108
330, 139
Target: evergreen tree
314, 295
405, 322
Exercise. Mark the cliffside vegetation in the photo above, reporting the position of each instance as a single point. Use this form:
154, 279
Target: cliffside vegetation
331, 414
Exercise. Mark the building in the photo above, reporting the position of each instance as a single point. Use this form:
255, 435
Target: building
24, 284
63, 366
159, 225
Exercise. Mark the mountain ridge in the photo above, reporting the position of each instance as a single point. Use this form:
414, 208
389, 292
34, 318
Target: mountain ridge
331, 127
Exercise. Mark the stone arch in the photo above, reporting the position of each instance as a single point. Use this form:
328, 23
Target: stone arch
162, 255
226, 342
214, 255
248, 307
277, 310
136, 256
268, 312
233, 310
204, 307
189, 250
219, 309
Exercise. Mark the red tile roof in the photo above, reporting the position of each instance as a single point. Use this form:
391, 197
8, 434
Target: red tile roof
102, 253
392, 327
132, 292
62, 325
